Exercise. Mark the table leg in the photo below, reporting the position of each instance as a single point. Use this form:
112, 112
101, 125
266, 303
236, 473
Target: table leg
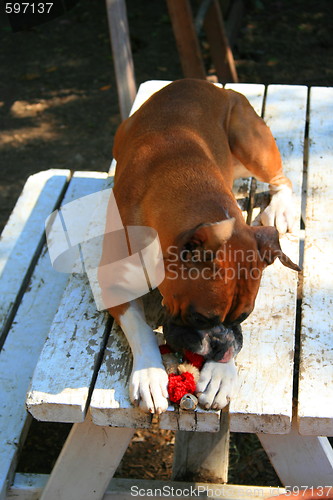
87, 462
202, 456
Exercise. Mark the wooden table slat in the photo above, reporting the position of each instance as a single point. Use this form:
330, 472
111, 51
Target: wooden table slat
315, 407
264, 400
22, 237
61, 383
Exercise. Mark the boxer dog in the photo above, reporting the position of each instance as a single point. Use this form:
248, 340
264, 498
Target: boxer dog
177, 158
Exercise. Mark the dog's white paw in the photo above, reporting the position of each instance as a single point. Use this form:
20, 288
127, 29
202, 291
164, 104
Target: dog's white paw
149, 388
217, 384
281, 211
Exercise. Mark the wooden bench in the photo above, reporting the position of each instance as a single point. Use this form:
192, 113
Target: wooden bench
59, 347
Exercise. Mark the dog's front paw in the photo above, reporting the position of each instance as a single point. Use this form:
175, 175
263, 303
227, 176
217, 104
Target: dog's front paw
281, 211
217, 384
148, 388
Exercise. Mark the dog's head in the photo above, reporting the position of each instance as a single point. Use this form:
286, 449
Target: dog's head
212, 278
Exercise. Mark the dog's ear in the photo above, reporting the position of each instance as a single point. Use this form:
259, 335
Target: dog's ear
206, 239
269, 246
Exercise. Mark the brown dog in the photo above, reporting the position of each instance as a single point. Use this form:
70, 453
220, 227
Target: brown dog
177, 158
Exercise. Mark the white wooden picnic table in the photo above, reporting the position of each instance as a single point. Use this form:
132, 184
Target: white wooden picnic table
56, 344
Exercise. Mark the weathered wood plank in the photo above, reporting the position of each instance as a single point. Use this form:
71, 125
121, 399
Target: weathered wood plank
285, 114
22, 238
26, 337
61, 383
30, 486
122, 54
198, 420
315, 407
96, 452
265, 364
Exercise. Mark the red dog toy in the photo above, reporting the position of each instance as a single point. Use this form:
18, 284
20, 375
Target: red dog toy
183, 376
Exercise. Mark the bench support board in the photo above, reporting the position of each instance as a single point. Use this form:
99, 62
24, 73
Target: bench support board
300, 460
96, 452
29, 487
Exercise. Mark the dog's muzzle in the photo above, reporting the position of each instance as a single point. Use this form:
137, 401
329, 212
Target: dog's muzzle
218, 343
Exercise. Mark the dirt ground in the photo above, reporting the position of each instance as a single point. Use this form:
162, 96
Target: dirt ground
58, 109
58, 100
